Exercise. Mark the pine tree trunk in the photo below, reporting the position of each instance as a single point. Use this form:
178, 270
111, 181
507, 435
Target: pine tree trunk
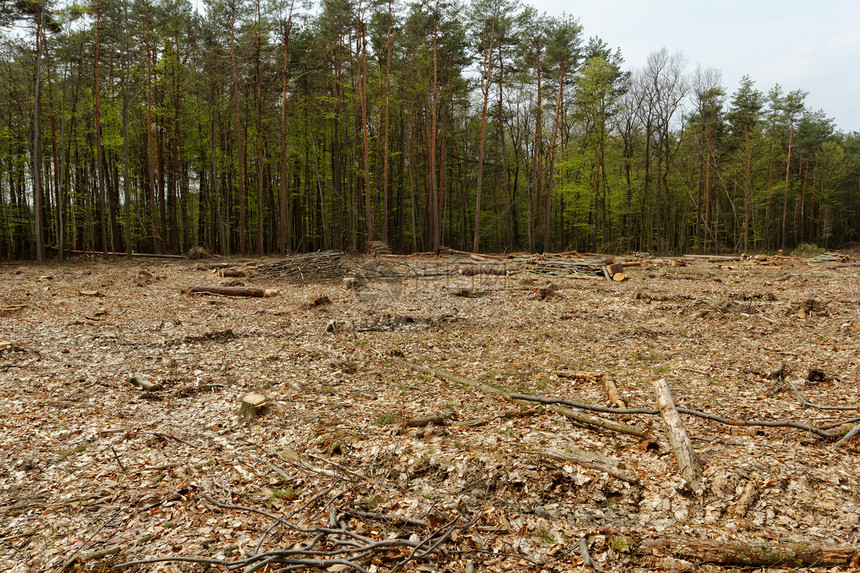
97, 119
37, 140
240, 143
283, 218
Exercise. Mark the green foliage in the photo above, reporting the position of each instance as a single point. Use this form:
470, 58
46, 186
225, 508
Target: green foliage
808, 250
629, 173
386, 419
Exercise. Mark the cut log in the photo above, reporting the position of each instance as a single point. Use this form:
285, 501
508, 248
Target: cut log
144, 383
606, 272
435, 419
615, 268
688, 463
614, 396
713, 258
232, 291
738, 554
215, 266
234, 272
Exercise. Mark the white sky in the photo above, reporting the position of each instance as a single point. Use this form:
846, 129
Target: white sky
808, 45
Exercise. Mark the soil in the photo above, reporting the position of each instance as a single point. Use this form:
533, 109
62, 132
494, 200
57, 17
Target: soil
90, 461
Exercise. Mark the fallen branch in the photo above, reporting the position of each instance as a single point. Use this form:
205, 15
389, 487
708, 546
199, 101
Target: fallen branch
653, 411
144, 383
614, 394
232, 291
105, 552
586, 558
334, 547
593, 461
591, 421
599, 422
849, 436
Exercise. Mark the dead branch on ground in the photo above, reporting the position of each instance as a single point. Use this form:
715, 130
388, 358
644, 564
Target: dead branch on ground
653, 411
330, 545
588, 421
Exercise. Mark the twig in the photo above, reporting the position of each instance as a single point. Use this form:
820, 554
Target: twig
450, 526
122, 467
587, 421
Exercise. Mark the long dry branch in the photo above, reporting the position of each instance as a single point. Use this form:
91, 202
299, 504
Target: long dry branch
688, 411
590, 421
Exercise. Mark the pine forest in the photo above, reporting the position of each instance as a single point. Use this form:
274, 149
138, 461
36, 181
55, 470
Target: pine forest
259, 127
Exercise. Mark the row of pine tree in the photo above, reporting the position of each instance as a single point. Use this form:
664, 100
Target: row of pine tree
269, 126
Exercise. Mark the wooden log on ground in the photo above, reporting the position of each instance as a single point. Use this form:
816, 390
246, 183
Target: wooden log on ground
597, 422
739, 554
593, 461
232, 291
713, 258
688, 463
614, 396
615, 268
435, 419
113, 254
234, 272
144, 383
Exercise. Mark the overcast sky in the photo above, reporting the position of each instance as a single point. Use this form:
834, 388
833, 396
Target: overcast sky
811, 46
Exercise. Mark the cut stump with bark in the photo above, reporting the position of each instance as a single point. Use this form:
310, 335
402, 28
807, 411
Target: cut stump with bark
253, 405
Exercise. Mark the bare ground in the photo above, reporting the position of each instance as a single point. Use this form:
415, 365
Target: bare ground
90, 462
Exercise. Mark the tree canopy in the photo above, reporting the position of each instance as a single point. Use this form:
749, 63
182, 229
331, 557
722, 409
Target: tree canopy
268, 126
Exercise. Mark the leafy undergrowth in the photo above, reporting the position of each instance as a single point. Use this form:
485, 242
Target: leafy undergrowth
91, 462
